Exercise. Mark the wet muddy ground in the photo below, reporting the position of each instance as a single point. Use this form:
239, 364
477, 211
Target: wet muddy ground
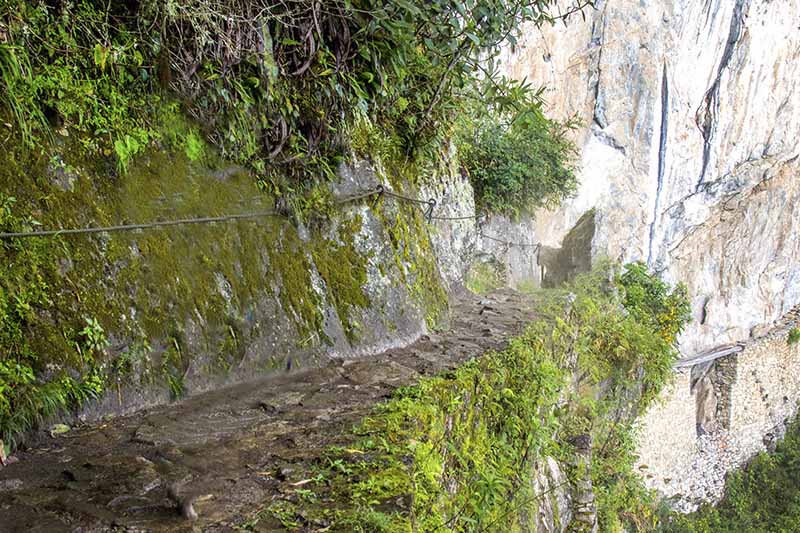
238, 448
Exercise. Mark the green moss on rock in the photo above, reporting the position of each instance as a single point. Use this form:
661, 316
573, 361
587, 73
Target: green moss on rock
174, 302
296, 292
415, 259
142, 288
344, 271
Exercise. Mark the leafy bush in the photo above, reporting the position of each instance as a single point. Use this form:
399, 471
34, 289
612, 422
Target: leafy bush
274, 84
83, 69
518, 159
794, 336
650, 299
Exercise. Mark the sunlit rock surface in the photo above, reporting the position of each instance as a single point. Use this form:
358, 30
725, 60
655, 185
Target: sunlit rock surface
689, 147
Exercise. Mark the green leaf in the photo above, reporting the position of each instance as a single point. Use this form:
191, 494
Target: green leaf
59, 429
100, 56
474, 38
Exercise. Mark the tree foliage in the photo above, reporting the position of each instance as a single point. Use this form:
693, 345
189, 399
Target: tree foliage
274, 84
650, 299
517, 158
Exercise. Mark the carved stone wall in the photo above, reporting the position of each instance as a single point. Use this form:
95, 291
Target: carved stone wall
701, 430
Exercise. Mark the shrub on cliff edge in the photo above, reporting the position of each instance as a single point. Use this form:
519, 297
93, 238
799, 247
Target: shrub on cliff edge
517, 159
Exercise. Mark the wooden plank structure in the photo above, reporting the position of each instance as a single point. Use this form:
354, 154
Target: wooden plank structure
710, 355
790, 320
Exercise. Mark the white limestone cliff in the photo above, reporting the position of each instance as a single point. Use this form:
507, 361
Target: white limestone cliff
689, 147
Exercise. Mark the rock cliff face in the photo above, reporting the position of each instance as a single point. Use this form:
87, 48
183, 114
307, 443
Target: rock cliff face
690, 144
191, 308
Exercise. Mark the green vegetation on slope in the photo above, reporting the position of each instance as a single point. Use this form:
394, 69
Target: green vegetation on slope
458, 452
762, 497
277, 86
175, 301
108, 108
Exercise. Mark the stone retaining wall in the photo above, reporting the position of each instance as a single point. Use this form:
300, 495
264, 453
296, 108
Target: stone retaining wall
714, 420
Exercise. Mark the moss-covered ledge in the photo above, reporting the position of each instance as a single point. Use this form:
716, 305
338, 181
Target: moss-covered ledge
117, 321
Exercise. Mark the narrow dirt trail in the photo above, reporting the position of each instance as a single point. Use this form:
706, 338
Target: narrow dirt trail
238, 447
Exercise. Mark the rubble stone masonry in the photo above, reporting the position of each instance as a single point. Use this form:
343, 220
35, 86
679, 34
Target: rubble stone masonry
714, 417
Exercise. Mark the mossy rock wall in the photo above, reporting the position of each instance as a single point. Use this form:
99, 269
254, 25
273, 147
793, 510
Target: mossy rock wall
192, 307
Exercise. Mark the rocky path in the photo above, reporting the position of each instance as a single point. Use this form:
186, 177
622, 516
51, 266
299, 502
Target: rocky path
236, 448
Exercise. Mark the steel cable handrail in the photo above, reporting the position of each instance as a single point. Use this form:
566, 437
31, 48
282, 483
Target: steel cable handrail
379, 191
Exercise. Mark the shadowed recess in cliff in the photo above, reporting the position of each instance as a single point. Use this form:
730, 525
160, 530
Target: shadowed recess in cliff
573, 257
707, 114
662, 155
